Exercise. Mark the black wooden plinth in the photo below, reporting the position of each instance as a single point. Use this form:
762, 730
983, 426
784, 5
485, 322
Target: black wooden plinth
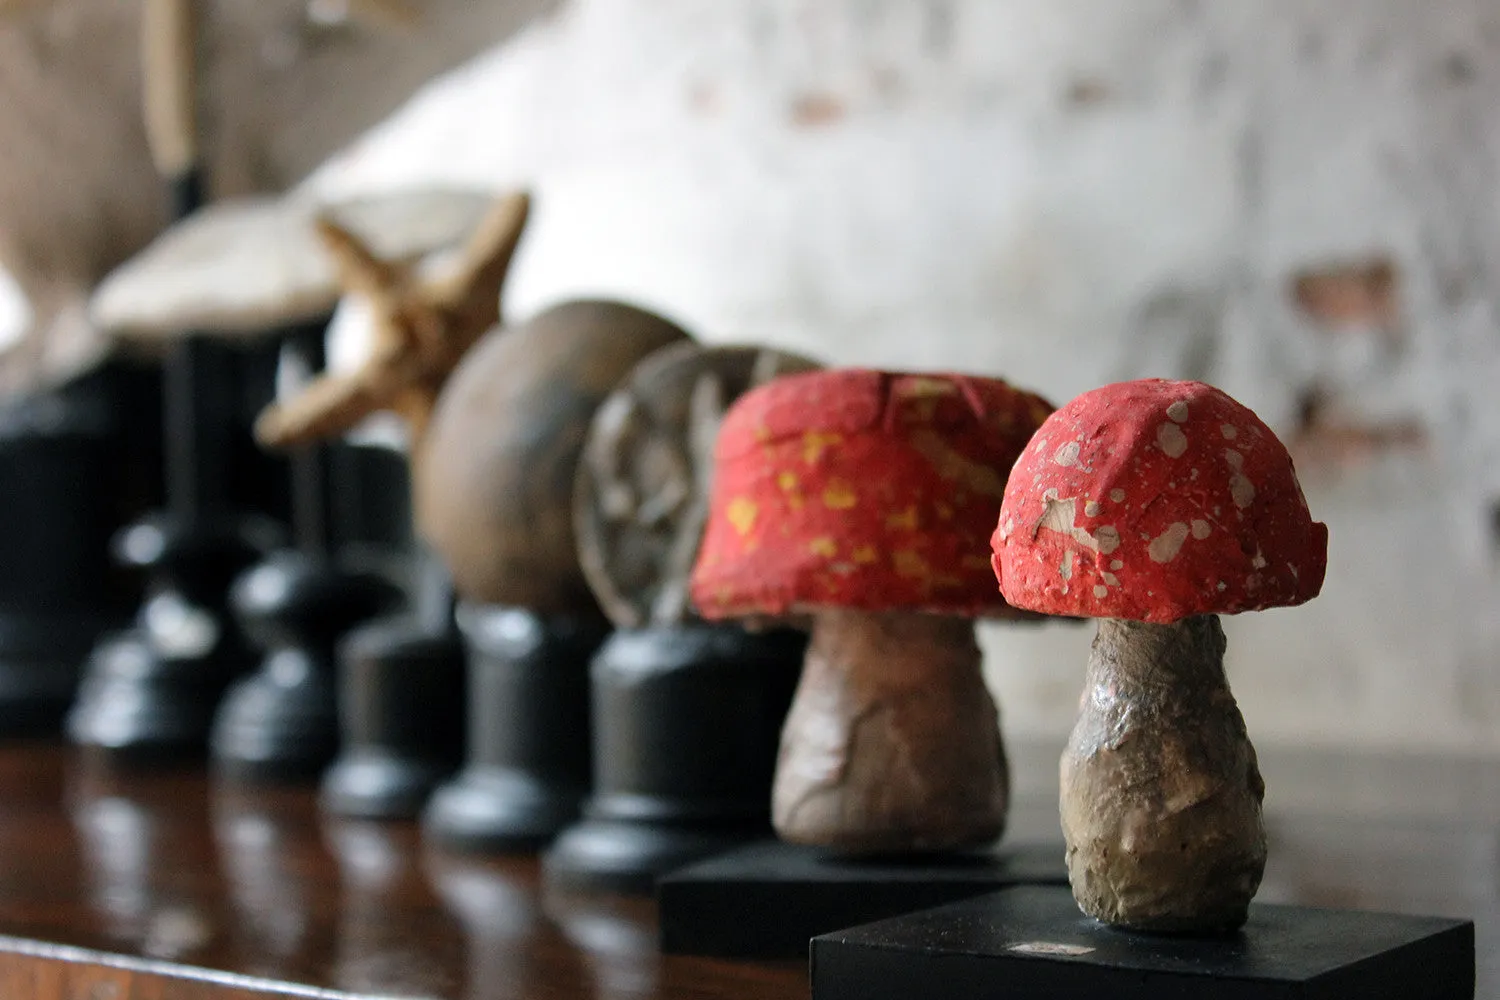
1033, 942
528, 731
401, 714
66, 484
686, 725
40, 660
151, 691
281, 722
767, 900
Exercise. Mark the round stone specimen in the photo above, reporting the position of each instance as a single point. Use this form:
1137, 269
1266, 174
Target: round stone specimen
1155, 500
493, 476
641, 499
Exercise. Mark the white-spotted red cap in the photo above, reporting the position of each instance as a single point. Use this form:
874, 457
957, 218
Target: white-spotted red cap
1155, 500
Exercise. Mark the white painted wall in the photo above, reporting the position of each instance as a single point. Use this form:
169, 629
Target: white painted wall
1067, 192
15, 313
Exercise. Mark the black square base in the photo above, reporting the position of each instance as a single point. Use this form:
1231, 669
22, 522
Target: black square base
1034, 942
768, 899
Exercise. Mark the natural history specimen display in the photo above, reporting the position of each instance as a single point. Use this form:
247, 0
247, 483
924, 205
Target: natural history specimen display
1157, 506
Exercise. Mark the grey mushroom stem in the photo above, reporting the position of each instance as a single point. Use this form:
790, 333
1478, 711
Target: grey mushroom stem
1161, 793
892, 744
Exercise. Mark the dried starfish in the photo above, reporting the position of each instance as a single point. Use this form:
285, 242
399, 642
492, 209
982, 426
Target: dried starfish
423, 328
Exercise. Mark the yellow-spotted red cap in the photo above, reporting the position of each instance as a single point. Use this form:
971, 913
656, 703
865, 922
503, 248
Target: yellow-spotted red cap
1154, 500
854, 488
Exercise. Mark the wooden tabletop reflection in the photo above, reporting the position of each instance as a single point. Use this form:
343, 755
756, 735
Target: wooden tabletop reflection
160, 883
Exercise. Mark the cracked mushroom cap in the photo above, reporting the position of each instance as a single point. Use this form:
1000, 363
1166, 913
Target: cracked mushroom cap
1153, 501
853, 488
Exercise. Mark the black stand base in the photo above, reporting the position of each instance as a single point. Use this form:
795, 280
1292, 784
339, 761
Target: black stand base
498, 811
625, 856
401, 703
686, 725
767, 900
281, 723
528, 732
40, 661
1034, 942
136, 703
151, 691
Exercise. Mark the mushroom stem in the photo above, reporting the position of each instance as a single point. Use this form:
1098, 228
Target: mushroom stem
1161, 793
892, 743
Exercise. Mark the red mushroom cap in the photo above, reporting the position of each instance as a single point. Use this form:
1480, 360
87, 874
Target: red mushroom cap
1156, 500
861, 489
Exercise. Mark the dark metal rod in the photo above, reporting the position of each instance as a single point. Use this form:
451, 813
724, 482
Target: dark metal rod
185, 192
192, 384
435, 599
313, 485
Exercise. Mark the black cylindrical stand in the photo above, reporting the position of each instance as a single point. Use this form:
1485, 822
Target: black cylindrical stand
281, 722
528, 729
401, 679
152, 690
64, 472
401, 711
686, 725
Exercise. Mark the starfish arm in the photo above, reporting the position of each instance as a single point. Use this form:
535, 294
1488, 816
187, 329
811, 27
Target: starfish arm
358, 269
474, 287
326, 407
400, 14
421, 331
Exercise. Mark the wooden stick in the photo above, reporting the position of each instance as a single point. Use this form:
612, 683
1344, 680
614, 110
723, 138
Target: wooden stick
399, 14
326, 407
169, 84
9, 7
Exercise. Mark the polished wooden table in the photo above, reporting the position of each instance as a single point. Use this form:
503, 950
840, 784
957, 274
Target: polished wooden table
162, 884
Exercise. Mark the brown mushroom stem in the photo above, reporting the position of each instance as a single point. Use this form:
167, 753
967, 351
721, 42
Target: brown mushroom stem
1161, 794
892, 744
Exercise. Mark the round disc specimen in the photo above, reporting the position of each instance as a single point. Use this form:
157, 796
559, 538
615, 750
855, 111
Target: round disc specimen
640, 501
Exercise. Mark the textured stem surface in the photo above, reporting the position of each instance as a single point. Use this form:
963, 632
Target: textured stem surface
892, 743
1161, 794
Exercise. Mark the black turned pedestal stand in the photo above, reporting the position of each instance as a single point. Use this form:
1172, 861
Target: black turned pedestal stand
528, 731
401, 679
281, 722
686, 725
1033, 942
401, 705
152, 690
66, 484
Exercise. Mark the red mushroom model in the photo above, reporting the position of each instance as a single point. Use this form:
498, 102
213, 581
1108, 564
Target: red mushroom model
857, 496
1157, 506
